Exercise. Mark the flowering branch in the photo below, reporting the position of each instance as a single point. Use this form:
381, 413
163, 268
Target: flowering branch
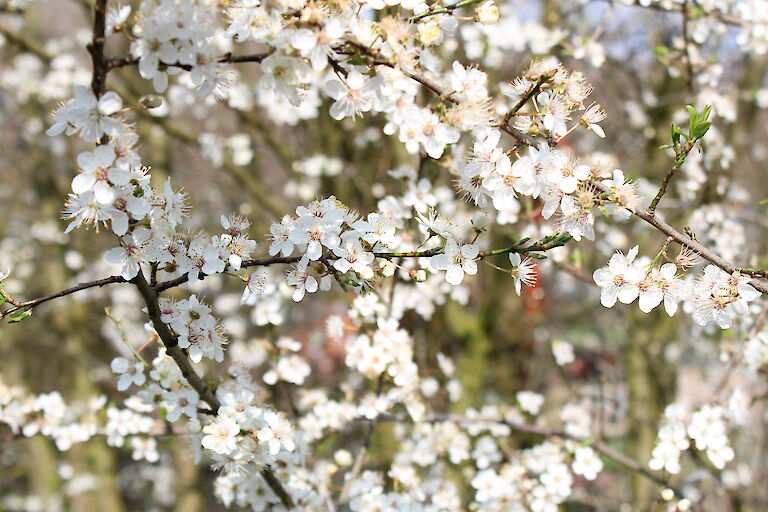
598, 446
171, 344
548, 243
698, 248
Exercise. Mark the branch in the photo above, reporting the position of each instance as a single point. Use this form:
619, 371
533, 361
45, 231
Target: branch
663, 189
130, 60
82, 286
736, 359
96, 48
530, 93
150, 296
445, 95
694, 245
545, 244
445, 10
171, 342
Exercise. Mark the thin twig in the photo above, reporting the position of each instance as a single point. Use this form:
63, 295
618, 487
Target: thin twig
736, 359
357, 467
62, 293
129, 60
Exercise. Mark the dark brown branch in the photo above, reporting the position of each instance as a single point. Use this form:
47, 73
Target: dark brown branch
269, 475
278, 260
96, 48
130, 60
62, 293
694, 245
530, 93
170, 341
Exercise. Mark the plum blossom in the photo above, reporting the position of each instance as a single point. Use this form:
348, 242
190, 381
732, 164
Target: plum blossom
456, 261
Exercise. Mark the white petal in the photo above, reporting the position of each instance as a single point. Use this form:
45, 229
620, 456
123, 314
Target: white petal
83, 182
454, 275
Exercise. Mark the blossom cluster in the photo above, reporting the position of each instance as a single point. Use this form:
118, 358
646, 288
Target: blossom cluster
714, 295
706, 427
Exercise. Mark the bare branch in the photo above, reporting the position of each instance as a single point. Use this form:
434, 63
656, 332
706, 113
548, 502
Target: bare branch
129, 60
96, 47
68, 291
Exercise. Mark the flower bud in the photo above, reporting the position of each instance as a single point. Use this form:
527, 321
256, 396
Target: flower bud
421, 276
387, 268
487, 13
150, 101
343, 458
481, 221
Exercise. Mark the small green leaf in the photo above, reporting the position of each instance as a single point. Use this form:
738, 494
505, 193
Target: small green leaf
677, 132
693, 116
356, 61
700, 130
19, 315
537, 256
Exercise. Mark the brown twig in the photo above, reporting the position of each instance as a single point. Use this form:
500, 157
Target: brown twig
68, 291
129, 60
357, 467
96, 48
736, 359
